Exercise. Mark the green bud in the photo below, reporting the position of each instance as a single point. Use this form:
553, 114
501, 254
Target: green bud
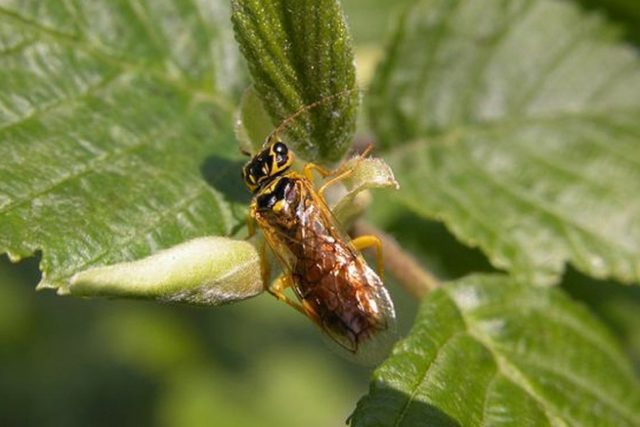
367, 173
204, 271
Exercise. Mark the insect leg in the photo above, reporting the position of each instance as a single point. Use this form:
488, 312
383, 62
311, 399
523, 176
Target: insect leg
265, 267
333, 180
310, 167
277, 289
339, 173
251, 223
366, 151
363, 242
251, 227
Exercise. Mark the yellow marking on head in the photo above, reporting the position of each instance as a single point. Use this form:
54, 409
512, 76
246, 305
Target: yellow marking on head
281, 157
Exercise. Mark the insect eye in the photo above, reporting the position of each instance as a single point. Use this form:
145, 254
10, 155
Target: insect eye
282, 153
280, 148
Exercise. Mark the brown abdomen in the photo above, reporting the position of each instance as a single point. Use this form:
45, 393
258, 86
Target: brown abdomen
332, 279
341, 296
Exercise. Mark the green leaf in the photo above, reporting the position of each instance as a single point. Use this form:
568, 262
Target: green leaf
623, 12
617, 306
517, 123
113, 117
487, 350
299, 53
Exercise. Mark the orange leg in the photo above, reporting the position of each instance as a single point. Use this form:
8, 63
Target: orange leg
366, 151
251, 227
324, 172
364, 242
265, 267
310, 167
251, 223
277, 289
334, 180
279, 285
338, 176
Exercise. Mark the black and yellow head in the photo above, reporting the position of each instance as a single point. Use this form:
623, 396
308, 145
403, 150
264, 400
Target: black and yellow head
270, 162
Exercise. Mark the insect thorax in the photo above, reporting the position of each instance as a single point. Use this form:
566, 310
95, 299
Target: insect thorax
274, 196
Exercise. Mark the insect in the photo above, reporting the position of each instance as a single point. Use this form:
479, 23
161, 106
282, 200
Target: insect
332, 281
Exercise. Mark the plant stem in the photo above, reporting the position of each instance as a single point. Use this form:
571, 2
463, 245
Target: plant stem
403, 266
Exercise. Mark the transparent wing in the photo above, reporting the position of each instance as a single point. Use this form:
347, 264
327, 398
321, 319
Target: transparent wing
276, 241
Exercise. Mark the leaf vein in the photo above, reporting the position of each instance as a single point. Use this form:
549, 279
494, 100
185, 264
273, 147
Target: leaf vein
490, 386
423, 375
578, 174
587, 387
542, 206
529, 94
89, 167
504, 365
90, 90
480, 71
126, 63
150, 224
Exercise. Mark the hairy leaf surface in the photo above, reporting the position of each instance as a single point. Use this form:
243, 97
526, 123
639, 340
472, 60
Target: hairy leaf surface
517, 123
489, 351
300, 53
116, 133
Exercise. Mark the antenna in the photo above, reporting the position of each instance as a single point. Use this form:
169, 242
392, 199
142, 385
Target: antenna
307, 107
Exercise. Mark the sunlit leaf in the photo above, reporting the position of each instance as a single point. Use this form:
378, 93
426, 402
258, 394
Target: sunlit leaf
517, 124
489, 351
116, 132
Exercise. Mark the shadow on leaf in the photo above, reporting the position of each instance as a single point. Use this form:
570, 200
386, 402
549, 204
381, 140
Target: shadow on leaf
399, 409
436, 246
229, 184
624, 14
617, 305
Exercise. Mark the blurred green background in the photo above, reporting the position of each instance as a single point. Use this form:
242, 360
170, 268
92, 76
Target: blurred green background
75, 362
68, 362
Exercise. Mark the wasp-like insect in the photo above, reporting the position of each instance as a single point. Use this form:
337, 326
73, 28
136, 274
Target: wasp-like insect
335, 287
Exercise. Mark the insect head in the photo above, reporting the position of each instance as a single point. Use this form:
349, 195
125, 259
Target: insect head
267, 164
